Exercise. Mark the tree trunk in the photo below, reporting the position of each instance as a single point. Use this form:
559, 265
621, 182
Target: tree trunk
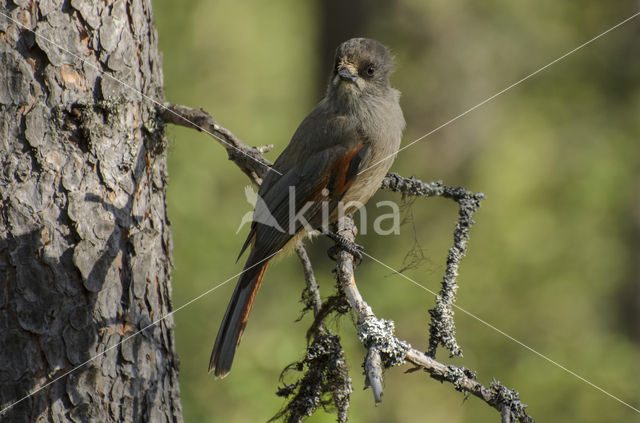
85, 247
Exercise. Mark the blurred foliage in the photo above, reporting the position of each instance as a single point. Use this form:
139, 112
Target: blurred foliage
553, 258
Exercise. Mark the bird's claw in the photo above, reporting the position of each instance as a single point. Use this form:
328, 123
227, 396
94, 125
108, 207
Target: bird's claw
343, 244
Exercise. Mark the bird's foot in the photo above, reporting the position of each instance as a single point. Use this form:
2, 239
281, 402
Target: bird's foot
343, 244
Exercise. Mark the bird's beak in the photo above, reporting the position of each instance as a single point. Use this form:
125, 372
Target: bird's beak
345, 75
347, 71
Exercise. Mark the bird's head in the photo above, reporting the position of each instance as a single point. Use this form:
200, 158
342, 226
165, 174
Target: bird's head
362, 66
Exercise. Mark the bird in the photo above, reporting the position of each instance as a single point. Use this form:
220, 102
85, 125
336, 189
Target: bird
335, 161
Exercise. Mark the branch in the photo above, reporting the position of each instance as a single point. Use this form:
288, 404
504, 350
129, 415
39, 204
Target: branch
313, 292
249, 159
378, 334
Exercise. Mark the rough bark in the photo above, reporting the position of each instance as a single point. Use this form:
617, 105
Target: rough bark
85, 247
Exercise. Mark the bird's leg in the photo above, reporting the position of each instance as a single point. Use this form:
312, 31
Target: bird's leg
343, 244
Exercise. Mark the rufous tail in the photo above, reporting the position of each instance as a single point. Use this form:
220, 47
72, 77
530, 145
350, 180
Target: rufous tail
236, 316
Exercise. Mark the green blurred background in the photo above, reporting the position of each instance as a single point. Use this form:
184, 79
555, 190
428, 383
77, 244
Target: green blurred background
554, 257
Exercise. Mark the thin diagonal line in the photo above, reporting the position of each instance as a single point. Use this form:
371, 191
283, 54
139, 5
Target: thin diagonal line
154, 101
67, 373
501, 92
468, 313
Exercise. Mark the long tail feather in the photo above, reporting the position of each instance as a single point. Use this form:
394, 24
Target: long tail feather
236, 316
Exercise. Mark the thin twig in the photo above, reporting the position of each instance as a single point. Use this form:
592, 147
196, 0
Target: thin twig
312, 286
311, 294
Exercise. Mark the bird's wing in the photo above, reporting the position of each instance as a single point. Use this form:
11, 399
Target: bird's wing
298, 196
320, 152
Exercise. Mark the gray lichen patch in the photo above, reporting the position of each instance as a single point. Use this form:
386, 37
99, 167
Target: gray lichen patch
379, 333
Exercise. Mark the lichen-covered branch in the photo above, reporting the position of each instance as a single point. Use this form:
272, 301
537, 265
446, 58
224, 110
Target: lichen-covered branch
496, 395
378, 334
324, 379
442, 326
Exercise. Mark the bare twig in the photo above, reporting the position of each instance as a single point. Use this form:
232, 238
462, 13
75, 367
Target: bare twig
373, 372
249, 159
311, 294
505, 414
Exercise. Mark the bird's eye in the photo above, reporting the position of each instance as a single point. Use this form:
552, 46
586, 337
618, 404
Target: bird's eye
371, 70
